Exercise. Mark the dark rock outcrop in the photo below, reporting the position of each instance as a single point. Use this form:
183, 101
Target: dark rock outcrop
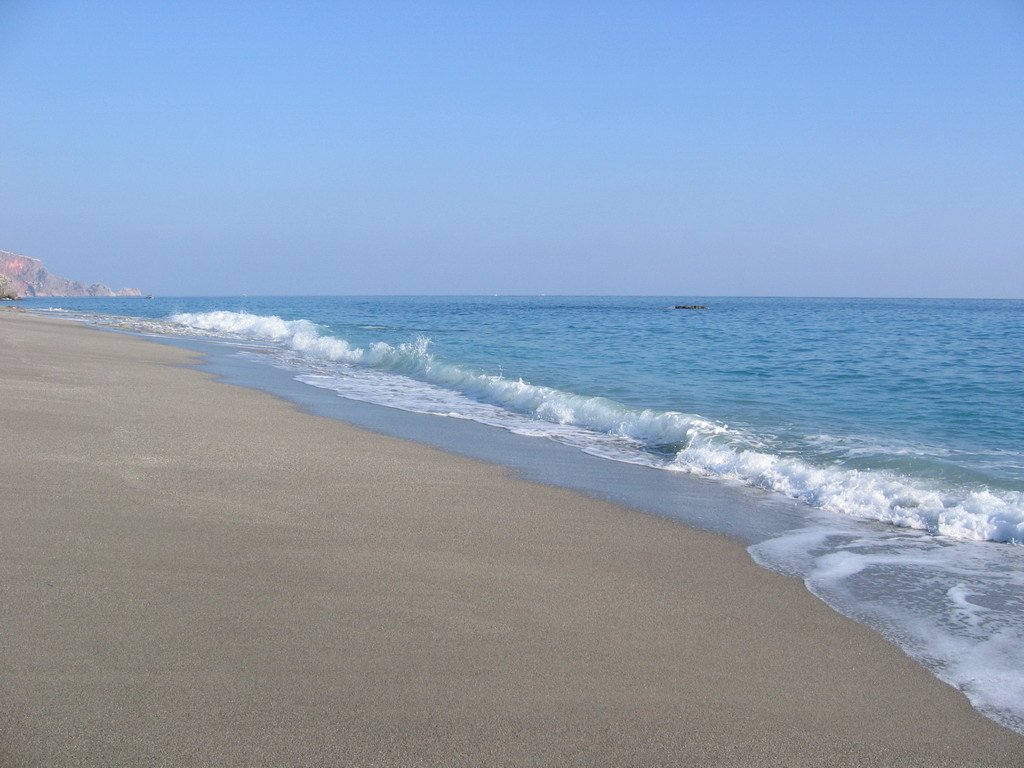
28, 277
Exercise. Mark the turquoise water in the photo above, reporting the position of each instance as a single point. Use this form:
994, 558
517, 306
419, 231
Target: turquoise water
905, 411
896, 425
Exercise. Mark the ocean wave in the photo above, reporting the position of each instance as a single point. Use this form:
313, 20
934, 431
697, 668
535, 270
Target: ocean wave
977, 514
699, 445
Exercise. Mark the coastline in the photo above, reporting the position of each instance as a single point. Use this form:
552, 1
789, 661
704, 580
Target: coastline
197, 573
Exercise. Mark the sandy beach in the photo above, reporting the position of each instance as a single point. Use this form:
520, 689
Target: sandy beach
197, 574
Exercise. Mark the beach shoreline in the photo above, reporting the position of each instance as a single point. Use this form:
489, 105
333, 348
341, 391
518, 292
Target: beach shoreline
197, 573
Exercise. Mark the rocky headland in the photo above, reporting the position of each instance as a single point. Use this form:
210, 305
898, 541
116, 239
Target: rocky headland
23, 276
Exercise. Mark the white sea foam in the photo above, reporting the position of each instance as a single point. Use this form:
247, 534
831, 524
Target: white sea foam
958, 608
409, 376
875, 495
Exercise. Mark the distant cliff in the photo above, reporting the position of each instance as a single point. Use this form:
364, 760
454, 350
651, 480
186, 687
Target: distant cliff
29, 277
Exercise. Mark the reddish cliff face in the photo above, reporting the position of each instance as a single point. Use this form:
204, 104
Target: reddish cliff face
30, 278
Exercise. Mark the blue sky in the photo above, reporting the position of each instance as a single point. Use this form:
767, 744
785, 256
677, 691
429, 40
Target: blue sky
863, 148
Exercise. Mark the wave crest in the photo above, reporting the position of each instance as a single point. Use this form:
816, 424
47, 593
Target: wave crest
701, 446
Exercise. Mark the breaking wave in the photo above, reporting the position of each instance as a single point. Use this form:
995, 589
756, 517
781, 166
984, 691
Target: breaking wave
670, 440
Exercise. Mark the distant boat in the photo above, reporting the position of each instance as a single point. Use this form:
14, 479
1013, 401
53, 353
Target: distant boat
149, 295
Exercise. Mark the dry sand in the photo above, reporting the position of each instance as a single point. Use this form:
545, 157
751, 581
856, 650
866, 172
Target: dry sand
198, 574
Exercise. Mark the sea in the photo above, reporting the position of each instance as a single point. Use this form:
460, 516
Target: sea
873, 448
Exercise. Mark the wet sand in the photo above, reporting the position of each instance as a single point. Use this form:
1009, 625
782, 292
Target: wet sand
196, 574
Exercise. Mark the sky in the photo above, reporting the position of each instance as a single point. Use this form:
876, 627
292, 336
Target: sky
681, 148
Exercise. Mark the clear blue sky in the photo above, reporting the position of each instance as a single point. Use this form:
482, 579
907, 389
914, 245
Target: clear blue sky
768, 148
